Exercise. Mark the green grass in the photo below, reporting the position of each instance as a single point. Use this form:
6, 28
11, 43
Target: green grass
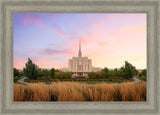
141, 78
95, 82
88, 81
17, 78
84, 81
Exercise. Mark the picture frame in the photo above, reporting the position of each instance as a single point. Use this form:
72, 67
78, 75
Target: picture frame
9, 7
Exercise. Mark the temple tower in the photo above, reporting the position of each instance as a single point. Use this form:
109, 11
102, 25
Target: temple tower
80, 66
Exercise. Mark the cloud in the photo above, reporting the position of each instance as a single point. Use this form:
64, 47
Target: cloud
103, 44
32, 19
111, 48
56, 52
108, 42
58, 30
52, 44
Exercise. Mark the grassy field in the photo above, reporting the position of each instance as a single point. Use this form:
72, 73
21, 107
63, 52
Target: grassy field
74, 91
141, 78
96, 82
89, 81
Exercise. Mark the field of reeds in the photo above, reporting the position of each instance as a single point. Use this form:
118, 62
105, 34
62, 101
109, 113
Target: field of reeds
73, 91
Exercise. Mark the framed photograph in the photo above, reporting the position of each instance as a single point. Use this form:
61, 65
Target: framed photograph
79, 57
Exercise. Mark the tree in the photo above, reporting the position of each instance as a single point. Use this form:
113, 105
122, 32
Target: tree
66, 75
16, 73
39, 74
31, 69
111, 73
129, 70
116, 71
52, 73
92, 75
45, 73
105, 70
120, 73
63, 75
56, 70
143, 73
140, 75
21, 73
101, 75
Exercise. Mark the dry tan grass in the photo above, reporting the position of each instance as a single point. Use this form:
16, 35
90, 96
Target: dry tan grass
133, 92
73, 91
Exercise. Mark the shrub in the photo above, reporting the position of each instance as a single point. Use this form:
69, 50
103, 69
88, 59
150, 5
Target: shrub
63, 75
143, 73
16, 73
92, 75
52, 73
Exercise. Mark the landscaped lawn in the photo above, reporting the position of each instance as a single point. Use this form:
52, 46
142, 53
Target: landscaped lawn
95, 82
88, 81
141, 78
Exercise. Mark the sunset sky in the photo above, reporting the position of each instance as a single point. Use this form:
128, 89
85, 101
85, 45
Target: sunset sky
108, 39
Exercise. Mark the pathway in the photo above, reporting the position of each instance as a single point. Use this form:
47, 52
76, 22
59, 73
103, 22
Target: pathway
21, 81
136, 80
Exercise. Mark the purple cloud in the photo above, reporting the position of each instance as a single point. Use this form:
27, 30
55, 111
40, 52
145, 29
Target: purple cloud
58, 30
32, 19
54, 51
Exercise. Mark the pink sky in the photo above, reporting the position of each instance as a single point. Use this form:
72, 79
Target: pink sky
107, 39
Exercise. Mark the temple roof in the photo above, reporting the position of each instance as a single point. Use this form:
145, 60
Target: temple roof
80, 53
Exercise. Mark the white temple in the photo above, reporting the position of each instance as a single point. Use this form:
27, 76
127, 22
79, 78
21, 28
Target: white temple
80, 66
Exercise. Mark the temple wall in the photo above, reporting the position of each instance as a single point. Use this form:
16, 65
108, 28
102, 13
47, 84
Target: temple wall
77, 64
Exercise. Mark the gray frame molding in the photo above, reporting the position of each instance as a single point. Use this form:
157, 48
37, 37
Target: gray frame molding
8, 7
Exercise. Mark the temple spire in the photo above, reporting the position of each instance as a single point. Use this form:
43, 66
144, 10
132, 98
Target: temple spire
80, 54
